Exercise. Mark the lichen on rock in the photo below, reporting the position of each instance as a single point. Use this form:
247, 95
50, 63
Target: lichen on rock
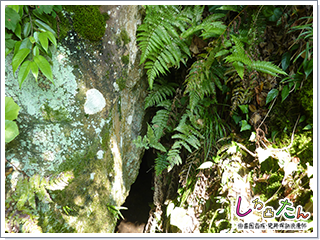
79, 125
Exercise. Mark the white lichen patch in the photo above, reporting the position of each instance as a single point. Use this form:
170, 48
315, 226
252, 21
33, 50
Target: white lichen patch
48, 156
116, 87
92, 175
129, 119
95, 102
100, 154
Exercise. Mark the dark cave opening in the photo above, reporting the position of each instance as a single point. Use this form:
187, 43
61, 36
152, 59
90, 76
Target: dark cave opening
139, 200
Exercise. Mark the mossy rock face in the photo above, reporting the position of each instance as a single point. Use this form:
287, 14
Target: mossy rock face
59, 135
88, 21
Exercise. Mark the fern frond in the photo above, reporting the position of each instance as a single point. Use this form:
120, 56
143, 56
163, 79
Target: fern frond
202, 81
159, 93
160, 42
153, 140
174, 155
239, 57
159, 122
59, 182
161, 163
165, 104
268, 67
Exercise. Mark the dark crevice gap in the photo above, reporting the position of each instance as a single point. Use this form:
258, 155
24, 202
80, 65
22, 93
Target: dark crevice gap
139, 199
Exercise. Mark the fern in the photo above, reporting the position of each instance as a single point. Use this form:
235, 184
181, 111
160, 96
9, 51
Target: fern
160, 42
161, 163
239, 57
159, 93
187, 135
159, 122
267, 67
59, 182
202, 82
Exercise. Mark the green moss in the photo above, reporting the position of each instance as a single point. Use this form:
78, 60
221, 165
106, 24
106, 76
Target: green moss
64, 25
306, 97
51, 115
121, 83
118, 42
125, 59
88, 22
124, 36
106, 16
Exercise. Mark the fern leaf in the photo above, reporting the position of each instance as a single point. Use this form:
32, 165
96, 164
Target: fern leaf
160, 42
213, 29
153, 140
159, 122
174, 155
165, 104
268, 67
60, 182
238, 58
239, 68
161, 163
159, 93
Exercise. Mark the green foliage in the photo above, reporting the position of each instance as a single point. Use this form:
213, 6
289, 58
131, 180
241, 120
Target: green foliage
22, 207
161, 90
160, 42
161, 163
11, 113
88, 21
233, 65
28, 34
240, 58
116, 211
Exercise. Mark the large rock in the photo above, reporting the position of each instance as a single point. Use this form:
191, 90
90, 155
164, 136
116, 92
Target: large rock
84, 124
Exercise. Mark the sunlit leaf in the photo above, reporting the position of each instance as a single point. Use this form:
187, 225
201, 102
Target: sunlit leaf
11, 130
35, 51
44, 66
23, 72
45, 26
245, 125
51, 37
34, 69
43, 40
239, 68
19, 58
18, 31
11, 18
26, 29
11, 109
26, 44
244, 108
308, 127
206, 165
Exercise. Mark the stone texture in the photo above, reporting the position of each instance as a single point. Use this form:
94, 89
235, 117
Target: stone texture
60, 132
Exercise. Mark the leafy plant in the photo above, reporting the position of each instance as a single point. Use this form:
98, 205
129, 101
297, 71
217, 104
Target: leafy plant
28, 35
159, 40
22, 203
116, 211
231, 77
11, 113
